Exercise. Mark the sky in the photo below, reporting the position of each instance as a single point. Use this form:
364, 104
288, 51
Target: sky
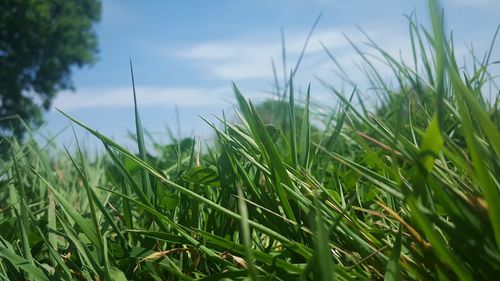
186, 54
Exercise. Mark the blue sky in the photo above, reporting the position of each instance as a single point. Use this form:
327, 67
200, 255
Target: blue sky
186, 53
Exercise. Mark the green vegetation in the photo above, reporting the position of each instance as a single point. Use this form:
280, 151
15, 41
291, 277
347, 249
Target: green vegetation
407, 191
41, 41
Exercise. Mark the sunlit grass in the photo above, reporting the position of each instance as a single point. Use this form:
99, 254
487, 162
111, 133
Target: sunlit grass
407, 191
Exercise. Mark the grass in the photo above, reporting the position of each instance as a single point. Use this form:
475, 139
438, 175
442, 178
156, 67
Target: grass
408, 190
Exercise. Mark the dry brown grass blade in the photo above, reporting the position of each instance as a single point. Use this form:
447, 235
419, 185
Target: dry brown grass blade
410, 229
380, 144
238, 260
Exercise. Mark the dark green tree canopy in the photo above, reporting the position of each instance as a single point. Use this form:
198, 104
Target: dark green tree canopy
40, 42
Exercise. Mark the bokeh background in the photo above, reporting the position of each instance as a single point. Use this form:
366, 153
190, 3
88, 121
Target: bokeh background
186, 54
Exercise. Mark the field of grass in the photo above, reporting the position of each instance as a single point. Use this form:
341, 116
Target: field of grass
408, 190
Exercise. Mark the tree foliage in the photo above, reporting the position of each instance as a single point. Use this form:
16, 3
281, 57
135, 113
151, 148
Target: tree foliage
41, 41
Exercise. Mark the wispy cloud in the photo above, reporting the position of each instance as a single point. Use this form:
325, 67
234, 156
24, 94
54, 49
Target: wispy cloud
241, 59
238, 48
147, 96
237, 60
246, 59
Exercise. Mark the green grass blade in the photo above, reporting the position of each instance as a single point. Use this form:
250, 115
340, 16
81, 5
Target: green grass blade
83, 176
89, 258
392, 272
68, 208
438, 243
23, 218
292, 129
265, 143
23, 264
247, 235
52, 251
323, 252
140, 139
305, 133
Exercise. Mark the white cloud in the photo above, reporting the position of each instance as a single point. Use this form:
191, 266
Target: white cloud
244, 48
241, 59
224, 60
392, 40
146, 96
246, 59
220, 50
244, 68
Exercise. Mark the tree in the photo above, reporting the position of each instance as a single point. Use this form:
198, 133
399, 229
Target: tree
41, 41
